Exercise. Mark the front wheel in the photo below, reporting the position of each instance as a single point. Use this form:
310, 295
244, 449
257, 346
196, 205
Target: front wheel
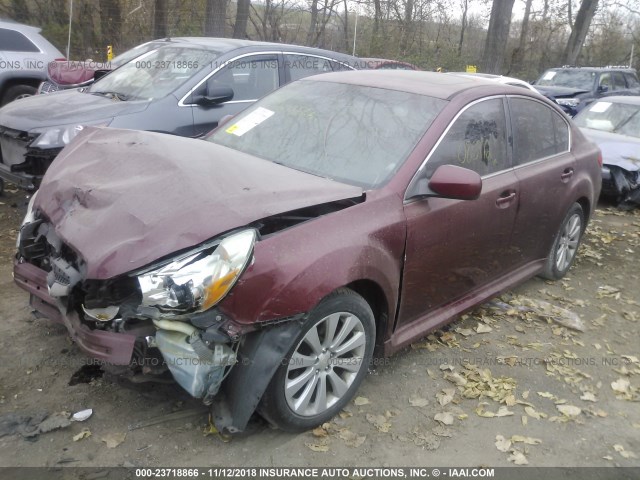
327, 363
17, 92
565, 246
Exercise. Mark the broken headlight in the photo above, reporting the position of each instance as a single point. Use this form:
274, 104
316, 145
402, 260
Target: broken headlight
197, 282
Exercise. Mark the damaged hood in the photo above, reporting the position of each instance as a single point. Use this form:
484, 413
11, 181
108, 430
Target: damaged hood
560, 92
618, 150
124, 198
64, 108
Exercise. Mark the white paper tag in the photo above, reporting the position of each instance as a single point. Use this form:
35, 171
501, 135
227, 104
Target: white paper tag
549, 75
255, 118
600, 107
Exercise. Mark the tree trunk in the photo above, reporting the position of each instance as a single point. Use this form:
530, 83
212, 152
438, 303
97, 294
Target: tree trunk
346, 27
160, 19
242, 17
215, 17
376, 44
20, 11
463, 26
579, 31
311, 34
406, 27
110, 23
497, 36
518, 54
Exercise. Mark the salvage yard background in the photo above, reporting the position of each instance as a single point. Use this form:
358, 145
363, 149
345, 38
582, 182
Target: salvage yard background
507, 384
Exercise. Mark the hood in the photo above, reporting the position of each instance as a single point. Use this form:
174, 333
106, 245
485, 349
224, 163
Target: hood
63, 108
618, 150
73, 73
123, 198
557, 91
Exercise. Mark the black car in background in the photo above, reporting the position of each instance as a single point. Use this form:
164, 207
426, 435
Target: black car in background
576, 87
183, 88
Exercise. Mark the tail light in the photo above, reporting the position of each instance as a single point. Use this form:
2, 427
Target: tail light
599, 157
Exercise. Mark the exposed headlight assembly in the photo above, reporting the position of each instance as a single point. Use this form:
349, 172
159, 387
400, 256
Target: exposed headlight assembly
198, 282
58, 137
568, 102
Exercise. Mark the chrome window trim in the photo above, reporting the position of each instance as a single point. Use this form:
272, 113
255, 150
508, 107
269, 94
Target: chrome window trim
319, 56
182, 103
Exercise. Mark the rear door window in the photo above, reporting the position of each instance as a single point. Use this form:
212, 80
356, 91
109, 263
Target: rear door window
538, 131
13, 41
301, 66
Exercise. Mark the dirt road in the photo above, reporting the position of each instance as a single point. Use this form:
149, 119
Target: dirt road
503, 385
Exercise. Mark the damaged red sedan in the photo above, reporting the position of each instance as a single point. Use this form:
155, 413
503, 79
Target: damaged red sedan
342, 215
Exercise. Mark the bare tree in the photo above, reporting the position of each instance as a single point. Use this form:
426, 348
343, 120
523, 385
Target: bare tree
215, 16
579, 31
242, 17
518, 53
160, 19
497, 36
463, 24
110, 22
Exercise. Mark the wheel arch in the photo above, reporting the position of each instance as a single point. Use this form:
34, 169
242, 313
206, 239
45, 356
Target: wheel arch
374, 295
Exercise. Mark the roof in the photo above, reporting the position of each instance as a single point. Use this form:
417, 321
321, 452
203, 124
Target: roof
596, 69
433, 84
229, 44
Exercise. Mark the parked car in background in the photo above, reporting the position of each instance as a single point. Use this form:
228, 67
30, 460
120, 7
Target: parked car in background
261, 267
184, 88
614, 125
24, 56
65, 74
384, 64
577, 87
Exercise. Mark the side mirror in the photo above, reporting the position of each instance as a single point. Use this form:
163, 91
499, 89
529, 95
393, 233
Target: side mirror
214, 95
603, 88
448, 181
98, 74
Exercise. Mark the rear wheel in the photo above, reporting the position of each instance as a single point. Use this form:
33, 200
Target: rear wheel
327, 363
565, 246
17, 92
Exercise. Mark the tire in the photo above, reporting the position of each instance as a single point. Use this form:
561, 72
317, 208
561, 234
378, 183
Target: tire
16, 92
565, 245
313, 364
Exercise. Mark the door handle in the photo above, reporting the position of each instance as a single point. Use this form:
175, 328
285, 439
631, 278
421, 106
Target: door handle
566, 175
505, 199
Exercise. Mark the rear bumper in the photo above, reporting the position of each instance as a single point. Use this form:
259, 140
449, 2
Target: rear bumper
110, 347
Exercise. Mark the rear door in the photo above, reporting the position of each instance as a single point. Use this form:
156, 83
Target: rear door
454, 246
545, 168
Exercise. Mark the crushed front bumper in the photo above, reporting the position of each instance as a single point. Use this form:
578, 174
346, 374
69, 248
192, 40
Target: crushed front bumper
110, 347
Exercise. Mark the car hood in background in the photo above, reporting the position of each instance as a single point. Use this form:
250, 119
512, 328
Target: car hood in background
555, 91
64, 108
618, 150
124, 198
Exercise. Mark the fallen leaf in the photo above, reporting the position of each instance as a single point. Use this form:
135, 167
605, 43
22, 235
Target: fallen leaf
445, 418
621, 385
569, 410
502, 443
416, 401
624, 453
445, 396
359, 401
345, 414
379, 421
503, 412
114, 439
482, 328
317, 447
532, 413
455, 378
350, 438
525, 420
546, 395
518, 458
319, 432
527, 440
588, 397
83, 434
465, 332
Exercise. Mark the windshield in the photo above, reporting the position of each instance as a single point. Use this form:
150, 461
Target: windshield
134, 52
579, 79
154, 74
360, 138
622, 118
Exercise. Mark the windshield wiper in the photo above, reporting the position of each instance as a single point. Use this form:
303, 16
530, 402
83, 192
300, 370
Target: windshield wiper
624, 122
120, 96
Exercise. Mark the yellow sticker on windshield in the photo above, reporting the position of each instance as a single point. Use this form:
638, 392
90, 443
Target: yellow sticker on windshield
250, 121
